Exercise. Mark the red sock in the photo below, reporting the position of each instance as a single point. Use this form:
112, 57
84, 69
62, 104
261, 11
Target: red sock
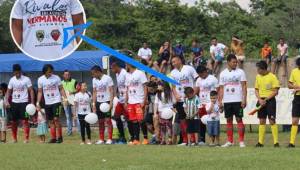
101, 129
26, 129
109, 128
14, 130
53, 132
229, 131
183, 127
241, 130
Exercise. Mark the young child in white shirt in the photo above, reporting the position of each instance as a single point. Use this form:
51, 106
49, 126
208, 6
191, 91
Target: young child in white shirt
213, 122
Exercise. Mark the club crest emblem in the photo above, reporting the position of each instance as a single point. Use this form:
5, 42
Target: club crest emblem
55, 34
40, 35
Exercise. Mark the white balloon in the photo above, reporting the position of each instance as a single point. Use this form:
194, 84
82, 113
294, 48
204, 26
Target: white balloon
167, 113
104, 107
91, 118
30, 109
204, 119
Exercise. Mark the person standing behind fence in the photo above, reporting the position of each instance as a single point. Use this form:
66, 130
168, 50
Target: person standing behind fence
69, 85
266, 88
294, 83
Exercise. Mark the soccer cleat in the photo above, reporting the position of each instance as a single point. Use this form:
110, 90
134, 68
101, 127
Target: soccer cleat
259, 145
89, 143
291, 146
26, 141
153, 140
276, 145
182, 144
145, 142
242, 145
227, 144
211, 145
59, 140
52, 141
82, 143
99, 142
136, 142
109, 142
130, 143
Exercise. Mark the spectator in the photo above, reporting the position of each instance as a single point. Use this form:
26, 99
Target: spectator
164, 58
266, 53
178, 50
217, 52
145, 54
237, 48
197, 55
282, 52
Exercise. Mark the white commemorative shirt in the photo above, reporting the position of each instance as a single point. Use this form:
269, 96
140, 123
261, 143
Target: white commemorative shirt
232, 82
83, 101
186, 77
162, 104
135, 85
19, 89
102, 88
50, 87
43, 23
145, 53
215, 114
121, 77
206, 85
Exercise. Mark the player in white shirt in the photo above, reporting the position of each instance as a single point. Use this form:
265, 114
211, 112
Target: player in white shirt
50, 87
204, 85
18, 87
136, 99
102, 93
145, 54
185, 75
82, 108
120, 109
37, 26
233, 95
217, 53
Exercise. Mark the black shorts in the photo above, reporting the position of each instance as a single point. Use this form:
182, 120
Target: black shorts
148, 118
296, 106
18, 111
269, 110
180, 110
233, 109
100, 114
193, 125
53, 110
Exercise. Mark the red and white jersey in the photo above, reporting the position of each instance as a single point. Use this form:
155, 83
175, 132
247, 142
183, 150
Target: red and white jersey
83, 101
186, 77
50, 87
232, 82
102, 86
135, 83
43, 23
19, 89
206, 85
121, 78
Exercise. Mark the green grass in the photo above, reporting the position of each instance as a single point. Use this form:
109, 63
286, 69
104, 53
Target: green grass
71, 155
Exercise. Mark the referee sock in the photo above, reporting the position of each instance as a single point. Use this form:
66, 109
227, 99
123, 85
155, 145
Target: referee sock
261, 134
274, 129
294, 131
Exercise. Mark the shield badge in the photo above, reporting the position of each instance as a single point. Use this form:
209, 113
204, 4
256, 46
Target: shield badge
55, 34
40, 35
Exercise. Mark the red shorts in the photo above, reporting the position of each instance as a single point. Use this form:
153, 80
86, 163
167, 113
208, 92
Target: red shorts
135, 112
120, 110
202, 111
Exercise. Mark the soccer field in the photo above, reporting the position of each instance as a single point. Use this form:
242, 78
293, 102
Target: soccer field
71, 155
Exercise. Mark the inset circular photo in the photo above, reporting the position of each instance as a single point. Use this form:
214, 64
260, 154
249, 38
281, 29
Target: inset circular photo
37, 27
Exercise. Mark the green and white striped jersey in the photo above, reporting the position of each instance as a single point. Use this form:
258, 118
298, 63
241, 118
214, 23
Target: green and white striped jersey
191, 107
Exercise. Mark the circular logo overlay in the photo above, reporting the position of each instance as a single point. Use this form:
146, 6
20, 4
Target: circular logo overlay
36, 27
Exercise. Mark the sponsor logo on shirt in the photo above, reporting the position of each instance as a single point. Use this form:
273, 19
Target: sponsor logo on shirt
55, 34
40, 35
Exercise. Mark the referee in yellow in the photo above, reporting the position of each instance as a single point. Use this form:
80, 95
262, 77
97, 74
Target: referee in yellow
294, 83
266, 88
